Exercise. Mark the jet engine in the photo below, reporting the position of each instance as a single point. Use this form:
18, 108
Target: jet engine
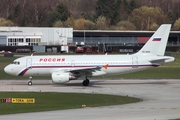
59, 77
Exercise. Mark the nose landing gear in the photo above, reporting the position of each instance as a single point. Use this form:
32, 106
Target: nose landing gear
30, 81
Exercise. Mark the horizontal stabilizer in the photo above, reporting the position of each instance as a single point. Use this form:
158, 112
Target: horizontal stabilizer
162, 60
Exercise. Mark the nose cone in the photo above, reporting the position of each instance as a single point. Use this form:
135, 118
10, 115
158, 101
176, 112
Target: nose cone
6, 69
9, 70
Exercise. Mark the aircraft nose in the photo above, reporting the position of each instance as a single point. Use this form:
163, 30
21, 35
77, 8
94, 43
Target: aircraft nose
9, 70
6, 69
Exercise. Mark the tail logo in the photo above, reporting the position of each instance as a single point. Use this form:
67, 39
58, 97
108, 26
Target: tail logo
156, 39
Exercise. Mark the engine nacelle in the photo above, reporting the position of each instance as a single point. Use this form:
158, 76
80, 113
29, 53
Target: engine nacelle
58, 77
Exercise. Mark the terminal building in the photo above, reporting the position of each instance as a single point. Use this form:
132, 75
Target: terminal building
122, 38
39, 36
32, 36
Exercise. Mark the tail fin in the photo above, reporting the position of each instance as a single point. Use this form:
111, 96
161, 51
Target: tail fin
157, 43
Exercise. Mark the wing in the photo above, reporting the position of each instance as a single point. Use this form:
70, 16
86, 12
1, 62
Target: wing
65, 75
87, 71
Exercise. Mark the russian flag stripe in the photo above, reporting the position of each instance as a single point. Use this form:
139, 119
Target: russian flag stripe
157, 39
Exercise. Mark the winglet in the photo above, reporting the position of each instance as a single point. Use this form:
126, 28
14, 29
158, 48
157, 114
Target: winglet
157, 43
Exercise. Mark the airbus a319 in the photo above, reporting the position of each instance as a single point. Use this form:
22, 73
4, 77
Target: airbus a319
62, 69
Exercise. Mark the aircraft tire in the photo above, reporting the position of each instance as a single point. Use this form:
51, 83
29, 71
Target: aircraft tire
85, 82
30, 83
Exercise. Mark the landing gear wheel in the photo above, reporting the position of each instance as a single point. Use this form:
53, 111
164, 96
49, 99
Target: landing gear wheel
85, 82
30, 83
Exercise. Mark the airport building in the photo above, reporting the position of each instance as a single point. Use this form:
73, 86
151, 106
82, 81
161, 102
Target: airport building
32, 36
121, 38
17, 36
117, 41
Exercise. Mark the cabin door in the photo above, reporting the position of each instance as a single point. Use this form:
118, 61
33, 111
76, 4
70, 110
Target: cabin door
134, 62
29, 63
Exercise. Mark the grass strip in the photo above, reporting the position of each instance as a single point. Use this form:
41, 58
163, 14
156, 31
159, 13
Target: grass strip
46, 101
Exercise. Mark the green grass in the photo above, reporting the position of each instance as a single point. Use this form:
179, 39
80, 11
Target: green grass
153, 73
59, 101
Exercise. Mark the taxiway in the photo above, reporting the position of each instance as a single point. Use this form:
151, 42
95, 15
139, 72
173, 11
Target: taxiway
161, 99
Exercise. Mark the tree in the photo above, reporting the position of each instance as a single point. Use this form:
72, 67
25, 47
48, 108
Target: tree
4, 22
89, 25
171, 15
45, 13
61, 14
53, 17
82, 24
108, 9
69, 22
15, 14
144, 17
58, 24
131, 6
125, 25
101, 23
154, 27
177, 25
126, 9
86, 16
79, 24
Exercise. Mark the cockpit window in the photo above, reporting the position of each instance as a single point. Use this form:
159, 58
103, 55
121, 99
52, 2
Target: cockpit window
16, 62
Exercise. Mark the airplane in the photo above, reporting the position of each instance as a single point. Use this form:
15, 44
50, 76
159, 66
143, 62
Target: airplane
62, 69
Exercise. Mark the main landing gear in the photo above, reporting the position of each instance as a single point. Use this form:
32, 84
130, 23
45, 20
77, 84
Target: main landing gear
85, 82
30, 81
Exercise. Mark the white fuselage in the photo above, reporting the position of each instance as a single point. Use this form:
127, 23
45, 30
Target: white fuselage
115, 64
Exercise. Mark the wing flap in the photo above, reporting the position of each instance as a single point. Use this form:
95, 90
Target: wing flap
84, 69
91, 68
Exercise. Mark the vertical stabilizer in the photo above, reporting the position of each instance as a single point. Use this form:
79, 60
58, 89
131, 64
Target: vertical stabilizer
157, 43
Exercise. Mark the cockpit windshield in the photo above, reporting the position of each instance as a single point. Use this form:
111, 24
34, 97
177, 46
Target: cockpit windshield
16, 62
